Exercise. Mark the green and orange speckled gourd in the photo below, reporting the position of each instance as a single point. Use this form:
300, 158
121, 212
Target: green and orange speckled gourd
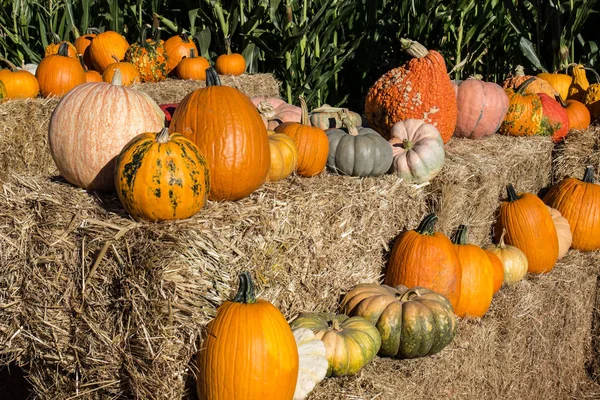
419, 89
525, 116
150, 58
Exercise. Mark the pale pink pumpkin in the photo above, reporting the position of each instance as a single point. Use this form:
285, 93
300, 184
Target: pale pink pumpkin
482, 107
275, 111
90, 126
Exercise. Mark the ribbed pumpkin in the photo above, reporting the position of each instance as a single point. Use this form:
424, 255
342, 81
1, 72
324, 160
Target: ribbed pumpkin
53, 47
580, 83
327, 117
351, 343
161, 176
129, 73
312, 143
224, 124
230, 63
482, 107
178, 47
525, 116
82, 45
90, 126
193, 67
563, 231
422, 257
59, 73
284, 156
536, 85
105, 48
513, 260
477, 280
560, 82
418, 151
358, 151
557, 117
578, 200
578, 114
412, 323
19, 84
498, 269
529, 227
275, 111
249, 351
419, 89
149, 57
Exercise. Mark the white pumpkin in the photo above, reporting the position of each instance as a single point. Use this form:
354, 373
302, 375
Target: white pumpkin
91, 124
29, 67
513, 259
418, 150
312, 362
563, 230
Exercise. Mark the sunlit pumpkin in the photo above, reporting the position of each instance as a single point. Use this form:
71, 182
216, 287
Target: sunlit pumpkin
178, 47
129, 73
193, 67
536, 85
560, 82
19, 84
149, 57
82, 45
53, 47
525, 116
105, 47
284, 156
230, 63
59, 73
513, 260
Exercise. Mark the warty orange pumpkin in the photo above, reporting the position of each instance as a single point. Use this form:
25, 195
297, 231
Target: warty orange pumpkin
57, 74
249, 351
536, 85
149, 57
53, 47
580, 83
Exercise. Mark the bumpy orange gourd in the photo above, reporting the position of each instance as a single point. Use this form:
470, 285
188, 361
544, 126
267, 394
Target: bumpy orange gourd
129, 73
105, 48
82, 45
161, 176
591, 99
477, 279
230, 63
59, 73
178, 47
193, 67
563, 231
149, 57
498, 269
312, 143
224, 124
529, 227
284, 156
580, 83
420, 89
20, 84
53, 47
536, 85
422, 257
525, 116
578, 200
249, 351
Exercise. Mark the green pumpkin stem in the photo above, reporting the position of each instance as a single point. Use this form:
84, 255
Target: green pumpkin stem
524, 85
460, 236
511, 193
347, 122
334, 324
11, 66
80, 57
163, 136
304, 120
426, 225
588, 177
117, 79
63, 50
55, 38
228, 44
413, 48
212, 78
94, 31
407, 144
245, 292
559, 98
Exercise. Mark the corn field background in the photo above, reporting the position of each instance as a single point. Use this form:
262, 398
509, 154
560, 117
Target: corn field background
330, 51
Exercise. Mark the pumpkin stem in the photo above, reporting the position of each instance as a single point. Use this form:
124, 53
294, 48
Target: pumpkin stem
406, 144
82, 63
559, 98
228, 44
117, 79
11, 66
588, 177
460, 236
335, 324
63, 50
304, 120
502, 244
524, 85
115, 58
519, 70
326, 108
163, 136
511, 193
212, 78
347, 122
426, 225
94, 31
245, 292
413, 48
192, 53
184, 37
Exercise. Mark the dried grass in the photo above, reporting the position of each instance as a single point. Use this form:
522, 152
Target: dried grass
581, 148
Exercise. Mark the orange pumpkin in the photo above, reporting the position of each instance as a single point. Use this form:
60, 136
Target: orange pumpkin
284, 156
149, 57
422, 257
161, 176
90, 74
224, 124
312, 143
53, 47
578, 114
498, 269
420, 89
477, 279
537, 85
525, 116
578, 200
193, 67
59, 73
178, 47
82, 45
129, 73
230, 63
560, 82
105, 48
530, 228
249, 351
20, 84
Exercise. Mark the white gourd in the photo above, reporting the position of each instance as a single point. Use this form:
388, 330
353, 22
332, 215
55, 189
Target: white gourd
312, 362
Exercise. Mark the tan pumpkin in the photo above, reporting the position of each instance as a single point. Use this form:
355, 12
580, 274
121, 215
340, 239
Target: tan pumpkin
513, 260
563, 230
284, 156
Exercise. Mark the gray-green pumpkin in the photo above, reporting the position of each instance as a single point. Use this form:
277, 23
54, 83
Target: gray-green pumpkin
358, 151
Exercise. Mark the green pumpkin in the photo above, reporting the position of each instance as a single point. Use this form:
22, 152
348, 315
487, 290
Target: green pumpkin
358, 151
327, 117
413, 322
350, 343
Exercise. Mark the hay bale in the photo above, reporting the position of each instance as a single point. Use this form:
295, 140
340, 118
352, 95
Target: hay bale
474, 178
580, 149
531, 344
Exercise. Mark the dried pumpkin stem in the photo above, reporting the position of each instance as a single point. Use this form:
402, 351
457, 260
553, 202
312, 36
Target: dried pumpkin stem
335, 324
212, 78
192, 53
82, 63
11, 66
460, 236
184, 37
502, 244
588, 177
304, 120
511, 193
245, 292
63, 49
117, 78
266, 110
347, 122
326, 108
519, 70
163, 136
228, 44
413, 48
426, 225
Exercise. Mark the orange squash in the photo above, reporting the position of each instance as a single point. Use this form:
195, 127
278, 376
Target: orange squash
498, 269
420, 89
537, 85
249, 351
422, 257
560, 82
59, 73
477, 280
20, 84
580, 83
578, 200
105, 48
178, 47
284, 156
228, 130
530, 228
312, 143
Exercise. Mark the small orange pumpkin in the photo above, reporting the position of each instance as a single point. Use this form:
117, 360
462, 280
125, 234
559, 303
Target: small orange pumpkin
284, 156
90, 74
193, 67
230, 63
129, 73
20, 84
59, 73
178, 47
578, 114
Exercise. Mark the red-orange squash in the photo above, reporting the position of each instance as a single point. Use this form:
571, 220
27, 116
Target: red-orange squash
422, 257
105, 48
59, 73
20, 84
420, 89
224, 124
249, 351
557, 117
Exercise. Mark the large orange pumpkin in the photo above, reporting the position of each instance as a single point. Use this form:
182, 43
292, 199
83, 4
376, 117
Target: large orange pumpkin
578, 200
420, 89
59, 73
178, 47
530, 228
249, 352
422, 257
477, 277
224, 124
105, 48
20, 84
525, 116
312, 143
90, 126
